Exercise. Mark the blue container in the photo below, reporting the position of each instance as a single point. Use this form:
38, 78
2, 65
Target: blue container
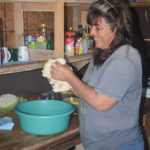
44, 117
28, 40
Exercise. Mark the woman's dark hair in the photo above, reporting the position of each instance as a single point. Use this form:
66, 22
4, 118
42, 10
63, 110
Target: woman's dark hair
117, 16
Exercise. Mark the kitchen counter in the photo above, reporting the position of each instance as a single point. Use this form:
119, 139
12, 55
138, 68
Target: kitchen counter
17, 139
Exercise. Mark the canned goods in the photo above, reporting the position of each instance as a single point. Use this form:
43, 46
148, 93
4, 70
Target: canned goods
29, 41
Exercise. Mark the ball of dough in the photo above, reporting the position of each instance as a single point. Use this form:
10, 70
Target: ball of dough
58, 86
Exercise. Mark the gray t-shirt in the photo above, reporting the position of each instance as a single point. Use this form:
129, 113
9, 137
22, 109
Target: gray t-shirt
120, 77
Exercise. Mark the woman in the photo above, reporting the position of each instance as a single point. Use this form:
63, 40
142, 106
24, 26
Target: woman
111, 88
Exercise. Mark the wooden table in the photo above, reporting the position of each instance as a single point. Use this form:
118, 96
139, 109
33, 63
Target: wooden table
19, 140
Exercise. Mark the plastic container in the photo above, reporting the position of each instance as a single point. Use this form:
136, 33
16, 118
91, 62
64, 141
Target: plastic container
26, 40
43, 30
87, 35
79, 48
79, 33
29, 41
69, 43
44, 117
85, 45
37, 35
76, 49
48, 43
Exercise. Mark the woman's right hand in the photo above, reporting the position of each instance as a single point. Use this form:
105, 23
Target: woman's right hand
61, 72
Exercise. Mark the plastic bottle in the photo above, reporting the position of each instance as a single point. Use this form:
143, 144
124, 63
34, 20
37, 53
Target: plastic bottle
48, 43
69, 43
42, 43
77, 47
79, 33
87, 35
80, 45
78, 41
85, 45
37, 35
43, 30
71, 30
84, 31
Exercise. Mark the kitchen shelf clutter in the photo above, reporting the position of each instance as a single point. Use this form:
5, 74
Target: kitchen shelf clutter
58, 8
55, 6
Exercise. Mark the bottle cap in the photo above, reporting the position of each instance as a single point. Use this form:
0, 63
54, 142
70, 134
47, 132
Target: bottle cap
70, 28
70, 33
43, 25
37, 33
86, 34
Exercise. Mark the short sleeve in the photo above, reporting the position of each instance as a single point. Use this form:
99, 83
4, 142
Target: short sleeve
117, 78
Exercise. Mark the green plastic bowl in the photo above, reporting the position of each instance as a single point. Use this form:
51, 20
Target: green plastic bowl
44, 117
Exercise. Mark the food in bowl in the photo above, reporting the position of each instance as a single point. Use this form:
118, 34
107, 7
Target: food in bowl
74, 101
44, 117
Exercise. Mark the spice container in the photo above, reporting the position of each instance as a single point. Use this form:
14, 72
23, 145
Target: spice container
37, 35
69, 43
43, 30
85, 45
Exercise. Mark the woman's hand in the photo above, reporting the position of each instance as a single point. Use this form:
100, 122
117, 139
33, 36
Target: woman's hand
60, 72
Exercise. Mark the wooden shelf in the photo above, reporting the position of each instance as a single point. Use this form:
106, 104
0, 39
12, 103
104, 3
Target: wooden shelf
38, 64
81, 57
21, 67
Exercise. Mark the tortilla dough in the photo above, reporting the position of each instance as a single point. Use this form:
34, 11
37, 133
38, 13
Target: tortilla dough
58, 86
